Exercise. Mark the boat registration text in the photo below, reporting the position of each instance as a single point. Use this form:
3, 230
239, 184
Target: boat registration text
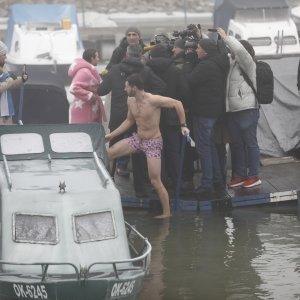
122, 289
30, 291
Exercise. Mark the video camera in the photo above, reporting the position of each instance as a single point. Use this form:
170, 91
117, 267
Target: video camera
191, 35
190, 32
160, 39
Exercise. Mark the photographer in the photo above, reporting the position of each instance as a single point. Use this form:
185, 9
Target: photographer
178, 51
177, 88
207, 79
7, 82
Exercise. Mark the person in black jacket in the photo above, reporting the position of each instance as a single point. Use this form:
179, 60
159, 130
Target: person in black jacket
114, 82
207, 80
133, 37
162, 65
190, 153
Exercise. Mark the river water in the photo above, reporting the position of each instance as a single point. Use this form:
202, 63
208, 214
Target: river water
247, 253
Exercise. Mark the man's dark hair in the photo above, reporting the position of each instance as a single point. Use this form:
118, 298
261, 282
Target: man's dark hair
88, 54
135, 80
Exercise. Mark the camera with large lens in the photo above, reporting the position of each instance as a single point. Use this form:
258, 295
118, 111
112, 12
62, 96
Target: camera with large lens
191, 35
160, 39
192, 31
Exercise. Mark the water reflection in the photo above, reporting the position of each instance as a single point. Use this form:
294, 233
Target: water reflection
243, 254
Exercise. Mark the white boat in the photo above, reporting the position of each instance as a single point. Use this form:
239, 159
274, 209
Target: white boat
63, 234
45, 37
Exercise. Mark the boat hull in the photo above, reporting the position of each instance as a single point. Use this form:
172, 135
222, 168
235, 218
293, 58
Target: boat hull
18, 287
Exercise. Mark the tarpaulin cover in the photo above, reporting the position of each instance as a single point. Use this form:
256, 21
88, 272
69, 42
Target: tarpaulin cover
279, 123
225, 10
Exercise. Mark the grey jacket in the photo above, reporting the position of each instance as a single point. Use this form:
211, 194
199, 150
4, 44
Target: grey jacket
239, 95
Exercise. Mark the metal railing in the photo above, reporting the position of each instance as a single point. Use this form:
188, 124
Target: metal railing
83, 273
7, 172
102, 170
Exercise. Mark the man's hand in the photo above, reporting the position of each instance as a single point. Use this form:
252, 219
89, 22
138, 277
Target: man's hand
185, 131
221, 32
107, 138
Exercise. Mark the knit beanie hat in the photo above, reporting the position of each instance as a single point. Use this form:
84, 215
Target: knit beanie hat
160, 50
248, 47
179, 43
3, 48
209, 46
134, 50
133, 29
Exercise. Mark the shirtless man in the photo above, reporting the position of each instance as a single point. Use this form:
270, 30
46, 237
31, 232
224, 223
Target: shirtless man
144, 110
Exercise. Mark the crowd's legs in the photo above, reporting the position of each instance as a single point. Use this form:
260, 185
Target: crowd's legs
210, 165
243, 127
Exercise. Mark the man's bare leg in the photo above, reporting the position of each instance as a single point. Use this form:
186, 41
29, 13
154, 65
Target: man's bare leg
119, 149
154, 170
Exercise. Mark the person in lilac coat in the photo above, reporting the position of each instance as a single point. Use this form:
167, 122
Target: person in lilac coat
87, 106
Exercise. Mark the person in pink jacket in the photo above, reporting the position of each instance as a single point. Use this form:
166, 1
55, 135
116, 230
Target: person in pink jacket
87, 106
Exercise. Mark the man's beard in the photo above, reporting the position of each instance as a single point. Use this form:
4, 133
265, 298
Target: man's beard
131, 93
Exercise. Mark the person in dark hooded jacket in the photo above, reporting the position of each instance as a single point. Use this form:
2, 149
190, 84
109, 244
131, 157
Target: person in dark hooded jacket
162, 65
114, 82
207, 81
132, 37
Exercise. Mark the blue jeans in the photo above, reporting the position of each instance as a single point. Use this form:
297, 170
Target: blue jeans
242, 127
206, 148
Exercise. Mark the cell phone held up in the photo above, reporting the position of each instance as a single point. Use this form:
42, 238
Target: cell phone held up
212, 29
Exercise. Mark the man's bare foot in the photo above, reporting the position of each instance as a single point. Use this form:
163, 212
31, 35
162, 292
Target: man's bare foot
162, 216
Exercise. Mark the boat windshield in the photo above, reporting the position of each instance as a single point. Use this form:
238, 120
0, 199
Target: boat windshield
71, 142
21, 143
41, 229
94, 227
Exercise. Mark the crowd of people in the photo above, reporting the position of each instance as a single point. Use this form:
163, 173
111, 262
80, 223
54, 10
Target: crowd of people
160, 95
166, 91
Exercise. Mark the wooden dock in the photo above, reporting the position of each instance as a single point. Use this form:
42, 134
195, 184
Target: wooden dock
280, 183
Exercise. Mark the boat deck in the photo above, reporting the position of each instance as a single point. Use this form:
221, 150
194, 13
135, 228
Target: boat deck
280, 183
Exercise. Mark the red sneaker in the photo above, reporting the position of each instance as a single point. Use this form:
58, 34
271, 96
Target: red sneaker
252, 181
238, 181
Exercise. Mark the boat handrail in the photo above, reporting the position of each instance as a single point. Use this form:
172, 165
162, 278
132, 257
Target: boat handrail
7, 172
44, 266
102, 170
143, 256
